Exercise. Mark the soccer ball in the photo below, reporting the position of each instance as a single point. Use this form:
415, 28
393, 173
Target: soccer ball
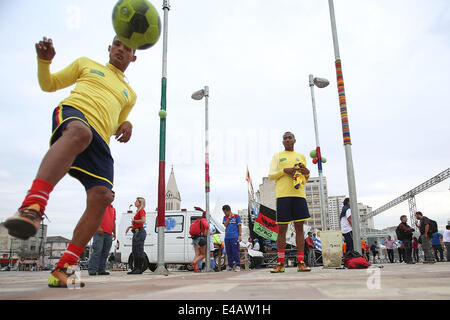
136, 23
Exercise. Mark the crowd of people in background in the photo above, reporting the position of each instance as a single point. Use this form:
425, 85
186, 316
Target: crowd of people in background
407, 245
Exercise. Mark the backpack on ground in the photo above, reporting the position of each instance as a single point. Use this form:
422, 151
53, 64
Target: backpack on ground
196, 227
353, 260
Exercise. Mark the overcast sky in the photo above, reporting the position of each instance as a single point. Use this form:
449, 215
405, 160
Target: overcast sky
255, 55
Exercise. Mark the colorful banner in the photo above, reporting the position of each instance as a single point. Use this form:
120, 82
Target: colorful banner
265, 224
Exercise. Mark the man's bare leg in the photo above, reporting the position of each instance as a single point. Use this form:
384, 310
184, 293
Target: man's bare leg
300, 241
75, 138
281, 248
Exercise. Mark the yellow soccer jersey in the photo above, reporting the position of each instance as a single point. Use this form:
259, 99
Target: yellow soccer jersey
284, 186
101, 93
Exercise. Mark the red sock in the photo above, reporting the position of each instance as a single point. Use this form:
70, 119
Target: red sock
38, 194
280, 254
300, 256
70, 256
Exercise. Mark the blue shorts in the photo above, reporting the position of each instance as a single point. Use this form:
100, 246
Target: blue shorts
292, 209
95, 165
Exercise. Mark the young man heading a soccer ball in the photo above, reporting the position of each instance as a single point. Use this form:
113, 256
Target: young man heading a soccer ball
83, 124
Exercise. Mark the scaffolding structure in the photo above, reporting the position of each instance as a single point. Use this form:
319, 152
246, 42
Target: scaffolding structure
410, 196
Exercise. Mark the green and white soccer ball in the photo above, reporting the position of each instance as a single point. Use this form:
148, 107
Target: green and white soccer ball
136, 23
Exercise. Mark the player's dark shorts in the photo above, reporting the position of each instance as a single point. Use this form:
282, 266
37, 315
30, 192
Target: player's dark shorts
292, 209
95, 165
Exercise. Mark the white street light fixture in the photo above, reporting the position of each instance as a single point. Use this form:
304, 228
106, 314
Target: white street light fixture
198, 95
320, 83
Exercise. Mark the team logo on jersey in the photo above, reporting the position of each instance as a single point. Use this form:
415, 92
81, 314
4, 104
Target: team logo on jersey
125, 92
97, 72
283, 159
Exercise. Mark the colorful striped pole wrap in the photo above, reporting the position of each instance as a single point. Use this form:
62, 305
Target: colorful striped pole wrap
342, 103
207, 172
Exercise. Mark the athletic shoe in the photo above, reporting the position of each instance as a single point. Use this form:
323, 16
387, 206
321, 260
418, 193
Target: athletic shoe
60, 278
103, 273
301, 267
279, 268
25, 222
197, 270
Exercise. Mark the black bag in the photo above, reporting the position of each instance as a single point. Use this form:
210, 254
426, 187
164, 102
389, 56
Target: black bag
399, 233
352, 254
433, 226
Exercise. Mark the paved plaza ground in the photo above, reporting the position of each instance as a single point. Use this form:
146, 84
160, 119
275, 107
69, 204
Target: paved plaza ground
393, 281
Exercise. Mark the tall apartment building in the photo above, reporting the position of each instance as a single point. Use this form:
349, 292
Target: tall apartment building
365, 224
312, 189
335, 204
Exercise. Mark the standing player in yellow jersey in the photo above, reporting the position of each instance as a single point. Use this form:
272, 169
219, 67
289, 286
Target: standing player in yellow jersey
83, 123
291, 201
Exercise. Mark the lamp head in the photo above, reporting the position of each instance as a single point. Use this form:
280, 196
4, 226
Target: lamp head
321, 82
198, 95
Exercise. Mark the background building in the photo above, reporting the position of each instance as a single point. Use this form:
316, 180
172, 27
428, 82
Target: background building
244, 216
335, 204
28, 250
266, 193
312, 189
173, 198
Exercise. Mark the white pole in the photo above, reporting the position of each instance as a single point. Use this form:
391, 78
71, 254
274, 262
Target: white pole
319, 156
346, 133
207, 182
161, 269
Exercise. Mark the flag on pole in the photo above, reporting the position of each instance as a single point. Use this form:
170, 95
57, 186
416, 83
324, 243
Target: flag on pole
249, 180
265, 224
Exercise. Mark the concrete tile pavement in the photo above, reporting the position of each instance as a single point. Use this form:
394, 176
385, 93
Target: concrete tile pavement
393, 281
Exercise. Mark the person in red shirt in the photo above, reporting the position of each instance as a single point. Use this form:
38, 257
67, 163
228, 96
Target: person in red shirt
102, 241
199, 240
311, 247
139, 235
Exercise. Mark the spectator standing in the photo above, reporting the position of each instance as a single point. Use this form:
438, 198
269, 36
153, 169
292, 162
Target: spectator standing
199, 239
310, 245
425, 236
139, 235
373, 249
111, 261
233, 235
346, 225
256, 246
363, 253
102, 242
390, 251
437, 246
401, 251
249, 244
405, 234
415, 248
446, 239
367, 251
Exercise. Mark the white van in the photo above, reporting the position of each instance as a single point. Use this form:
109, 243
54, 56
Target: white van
177, 240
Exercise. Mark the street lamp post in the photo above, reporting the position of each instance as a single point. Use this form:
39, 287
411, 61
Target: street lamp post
198, 95
161, 220
346, 135
320, 83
